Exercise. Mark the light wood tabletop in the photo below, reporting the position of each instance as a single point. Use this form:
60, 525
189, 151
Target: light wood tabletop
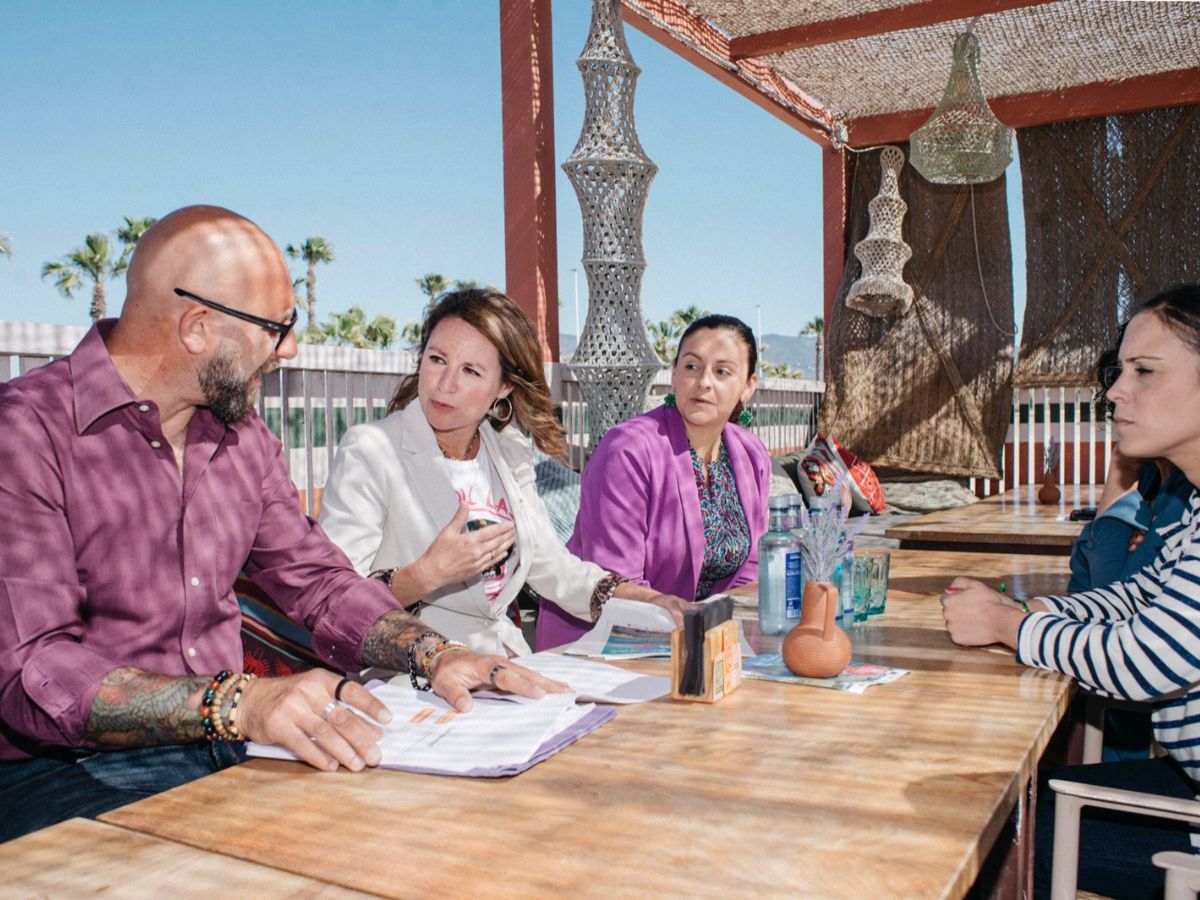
82, 858
775, 790
1011, 522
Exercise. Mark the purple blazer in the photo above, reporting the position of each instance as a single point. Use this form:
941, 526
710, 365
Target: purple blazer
639, 511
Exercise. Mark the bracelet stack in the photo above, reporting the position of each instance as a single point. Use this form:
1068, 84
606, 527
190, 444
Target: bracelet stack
603, 592
423, 652
220, 724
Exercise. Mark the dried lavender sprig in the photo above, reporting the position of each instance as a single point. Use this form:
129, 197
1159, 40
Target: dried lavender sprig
824, 540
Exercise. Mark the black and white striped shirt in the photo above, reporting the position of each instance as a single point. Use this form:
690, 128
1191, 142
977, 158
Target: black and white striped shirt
1137, 639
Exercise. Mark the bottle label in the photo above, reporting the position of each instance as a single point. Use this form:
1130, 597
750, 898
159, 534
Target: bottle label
792, 588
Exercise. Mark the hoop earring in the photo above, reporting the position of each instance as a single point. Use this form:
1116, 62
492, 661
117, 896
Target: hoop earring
745, 417
495, 415
669, 400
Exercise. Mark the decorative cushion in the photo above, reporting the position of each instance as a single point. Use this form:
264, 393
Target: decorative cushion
558, 488
864, 485
824, 462
273, 646
818, 469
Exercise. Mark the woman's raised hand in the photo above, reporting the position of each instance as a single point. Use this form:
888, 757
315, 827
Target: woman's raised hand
456, 555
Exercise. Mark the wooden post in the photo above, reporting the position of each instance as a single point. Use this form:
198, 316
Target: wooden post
833, 177
530, 226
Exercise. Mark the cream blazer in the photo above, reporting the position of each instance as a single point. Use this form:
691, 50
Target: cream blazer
388, 495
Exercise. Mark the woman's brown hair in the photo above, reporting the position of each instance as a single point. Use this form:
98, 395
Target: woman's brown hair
498, 318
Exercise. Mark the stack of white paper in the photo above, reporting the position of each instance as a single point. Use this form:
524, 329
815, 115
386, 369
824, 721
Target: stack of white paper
497, 737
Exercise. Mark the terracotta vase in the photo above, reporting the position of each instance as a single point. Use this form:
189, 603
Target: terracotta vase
1048, 493
817, 648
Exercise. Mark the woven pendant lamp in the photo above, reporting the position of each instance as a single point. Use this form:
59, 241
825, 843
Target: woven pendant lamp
880, 289
962, 143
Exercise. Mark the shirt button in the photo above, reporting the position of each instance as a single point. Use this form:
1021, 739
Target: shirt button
156, 444
195, 581
142, 407
191, 651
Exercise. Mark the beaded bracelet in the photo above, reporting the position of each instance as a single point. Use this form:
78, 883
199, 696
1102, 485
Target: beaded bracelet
603, 592
231, 725
420, 666
213, 727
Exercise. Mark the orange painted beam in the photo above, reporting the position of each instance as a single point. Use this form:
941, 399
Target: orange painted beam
1178, 88
708, 49
896, 18
530, 225
835, 186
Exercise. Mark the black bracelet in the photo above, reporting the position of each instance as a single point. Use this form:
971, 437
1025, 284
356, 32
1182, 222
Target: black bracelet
412, 660
384, 575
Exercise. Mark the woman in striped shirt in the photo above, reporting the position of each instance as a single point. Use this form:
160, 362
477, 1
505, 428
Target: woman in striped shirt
1135, 639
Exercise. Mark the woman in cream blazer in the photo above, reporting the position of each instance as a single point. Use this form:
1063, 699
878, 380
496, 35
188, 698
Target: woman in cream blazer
391, 505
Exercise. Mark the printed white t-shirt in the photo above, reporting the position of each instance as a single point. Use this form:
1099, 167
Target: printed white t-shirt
477, 482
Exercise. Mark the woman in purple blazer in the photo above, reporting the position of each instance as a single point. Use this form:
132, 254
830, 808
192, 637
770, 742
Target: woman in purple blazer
676, 499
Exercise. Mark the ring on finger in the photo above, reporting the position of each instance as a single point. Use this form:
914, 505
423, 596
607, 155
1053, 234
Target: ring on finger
329, 708
495, 671
337, 691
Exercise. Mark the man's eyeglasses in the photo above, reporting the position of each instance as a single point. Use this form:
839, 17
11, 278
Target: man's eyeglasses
283, 329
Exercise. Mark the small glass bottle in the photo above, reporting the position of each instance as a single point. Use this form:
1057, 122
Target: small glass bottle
795, 505
779, 580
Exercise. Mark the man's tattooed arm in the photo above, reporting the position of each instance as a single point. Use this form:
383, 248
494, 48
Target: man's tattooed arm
138, 709
386, 644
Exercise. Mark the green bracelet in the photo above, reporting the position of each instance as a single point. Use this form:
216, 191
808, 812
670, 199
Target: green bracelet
1024, 605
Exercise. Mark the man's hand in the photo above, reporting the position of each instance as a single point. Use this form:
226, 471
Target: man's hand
290, 712
456, 555
456, 673
976, 615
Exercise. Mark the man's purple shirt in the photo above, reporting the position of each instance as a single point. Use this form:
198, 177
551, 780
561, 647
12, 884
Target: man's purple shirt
109, 558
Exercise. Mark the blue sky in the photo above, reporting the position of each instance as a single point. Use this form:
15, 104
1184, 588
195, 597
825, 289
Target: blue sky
377, 126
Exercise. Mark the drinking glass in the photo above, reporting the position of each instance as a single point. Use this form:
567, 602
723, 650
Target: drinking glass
864, 576
881, 564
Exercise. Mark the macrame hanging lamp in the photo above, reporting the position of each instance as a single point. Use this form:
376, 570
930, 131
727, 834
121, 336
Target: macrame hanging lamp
880, 290
963, 142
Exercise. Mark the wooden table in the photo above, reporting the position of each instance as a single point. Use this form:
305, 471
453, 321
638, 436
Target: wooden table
776, 790
82, 858
1012, 522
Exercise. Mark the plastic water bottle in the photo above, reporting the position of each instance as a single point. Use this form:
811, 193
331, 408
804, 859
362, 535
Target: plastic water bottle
779, 580
795, 505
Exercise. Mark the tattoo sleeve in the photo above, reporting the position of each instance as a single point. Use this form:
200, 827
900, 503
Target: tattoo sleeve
138, 709
386, 644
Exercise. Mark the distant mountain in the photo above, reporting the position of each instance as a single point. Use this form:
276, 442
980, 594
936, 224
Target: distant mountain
799, 352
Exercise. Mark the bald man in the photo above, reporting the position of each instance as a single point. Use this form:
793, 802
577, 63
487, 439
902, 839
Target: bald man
135, 484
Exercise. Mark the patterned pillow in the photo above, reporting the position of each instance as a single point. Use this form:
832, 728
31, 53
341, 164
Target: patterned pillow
864, 485
819, 469
273, 646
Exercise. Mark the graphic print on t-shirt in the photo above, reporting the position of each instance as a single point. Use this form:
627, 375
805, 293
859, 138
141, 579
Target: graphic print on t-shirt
477, 483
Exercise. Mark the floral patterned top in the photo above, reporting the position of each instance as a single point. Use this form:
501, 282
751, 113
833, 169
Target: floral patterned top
726, 533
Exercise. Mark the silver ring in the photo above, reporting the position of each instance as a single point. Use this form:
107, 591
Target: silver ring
329, 708
492, 674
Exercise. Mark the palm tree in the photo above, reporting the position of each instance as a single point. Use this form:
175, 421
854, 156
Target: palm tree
314, 250
410, 334
133, 229
686, 316
381, 332
93, 261
817, 326
431, 285
351, 328
664, 336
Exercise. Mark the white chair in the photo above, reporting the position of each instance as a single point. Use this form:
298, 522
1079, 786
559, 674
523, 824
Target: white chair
1183, 869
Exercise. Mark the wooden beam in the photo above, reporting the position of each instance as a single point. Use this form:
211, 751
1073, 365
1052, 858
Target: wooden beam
896, 18
696, 40
530, 226
1178, 88
835, 193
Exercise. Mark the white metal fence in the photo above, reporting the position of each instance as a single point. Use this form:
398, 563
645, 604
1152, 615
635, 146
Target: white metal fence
324, 390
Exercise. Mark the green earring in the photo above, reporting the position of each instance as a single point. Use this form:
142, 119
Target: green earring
669, 400
745, 417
